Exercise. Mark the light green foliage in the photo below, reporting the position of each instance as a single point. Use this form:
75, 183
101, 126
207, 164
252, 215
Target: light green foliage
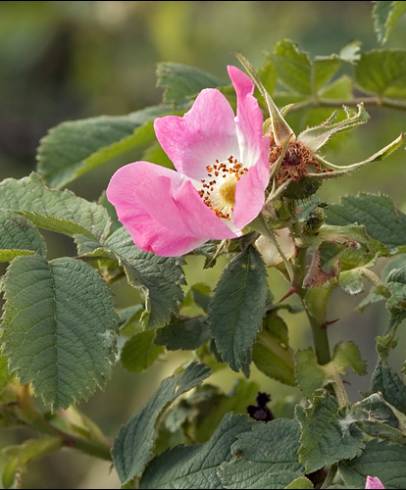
272, 354
59, 211
133, 447
18, 237
237, 308
265, 457
75, 148
327, 436
58, 328
140, 352
181, 82
304, 76
196, 466
301, 482
382, 72
386, 15
310, 375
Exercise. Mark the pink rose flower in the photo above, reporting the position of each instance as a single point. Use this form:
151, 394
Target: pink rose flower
373, 482
222, 171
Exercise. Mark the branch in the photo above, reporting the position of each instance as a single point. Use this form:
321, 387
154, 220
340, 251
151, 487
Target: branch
367, 101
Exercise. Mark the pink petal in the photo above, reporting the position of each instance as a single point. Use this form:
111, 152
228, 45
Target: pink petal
249, 118
205, 133
250, 195
373, 482
162, 210
250, 192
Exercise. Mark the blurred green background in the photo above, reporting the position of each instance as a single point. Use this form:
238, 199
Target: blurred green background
69, 60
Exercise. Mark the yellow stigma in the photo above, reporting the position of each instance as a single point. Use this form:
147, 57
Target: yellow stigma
227, 191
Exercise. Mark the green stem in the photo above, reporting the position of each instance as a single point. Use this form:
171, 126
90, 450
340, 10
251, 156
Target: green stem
315, 306
30, 417
320, 339
367, 101
91, 448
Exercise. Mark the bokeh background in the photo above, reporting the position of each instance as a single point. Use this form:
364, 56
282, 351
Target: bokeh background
69, 60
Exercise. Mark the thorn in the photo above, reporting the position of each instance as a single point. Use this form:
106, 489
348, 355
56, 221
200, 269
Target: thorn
291, 291
329, 322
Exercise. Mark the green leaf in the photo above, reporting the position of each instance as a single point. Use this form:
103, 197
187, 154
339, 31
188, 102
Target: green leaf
382, 72
301, 483
16, 458
198, 294
58, 328
385, 15
268, 76
272, 354
140, 352
316, 137
293, 67
156, 154
160, 278
181, 82
18, 237
75, 148
196, 466
212, 405
347, 355
377, 419
265, 457
184, 334
382, 459
59, 211
376, 212
393, 389
133, 447
302, 75
237, 308
327, 437
310, 376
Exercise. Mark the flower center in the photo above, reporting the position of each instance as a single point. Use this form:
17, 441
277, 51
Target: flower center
218, 189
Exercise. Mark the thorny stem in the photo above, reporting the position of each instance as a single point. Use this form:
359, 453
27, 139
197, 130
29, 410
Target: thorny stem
317, 320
